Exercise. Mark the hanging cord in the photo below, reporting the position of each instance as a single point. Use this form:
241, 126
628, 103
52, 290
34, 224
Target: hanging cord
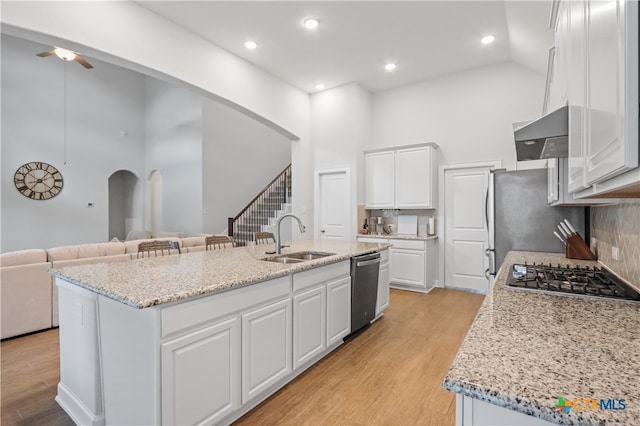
65, 114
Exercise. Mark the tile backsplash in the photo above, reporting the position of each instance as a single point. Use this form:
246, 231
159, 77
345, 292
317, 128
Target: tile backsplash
618, 226
390, 217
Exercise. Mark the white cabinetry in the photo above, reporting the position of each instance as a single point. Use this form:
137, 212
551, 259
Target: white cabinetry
380, 179
309, 323
383, 283
602, 81
558, 194
201, 374
402, 177
411, 266
321, 311
415, 176
407, 260
338, 310
266, 347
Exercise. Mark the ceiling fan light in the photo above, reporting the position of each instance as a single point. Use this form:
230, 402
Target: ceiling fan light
488, 39
64, 54
311, 23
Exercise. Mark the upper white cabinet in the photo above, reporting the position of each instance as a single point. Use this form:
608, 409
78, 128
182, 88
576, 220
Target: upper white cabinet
602, 80
402, 178
380, 180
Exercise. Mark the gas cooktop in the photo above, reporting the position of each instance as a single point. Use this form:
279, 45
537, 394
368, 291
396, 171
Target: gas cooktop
564, 280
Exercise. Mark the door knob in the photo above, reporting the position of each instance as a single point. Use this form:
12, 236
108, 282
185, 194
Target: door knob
322, 230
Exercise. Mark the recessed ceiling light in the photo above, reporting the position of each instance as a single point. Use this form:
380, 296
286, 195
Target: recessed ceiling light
488, 39
390, 66
311, 23
250, 44
319, 86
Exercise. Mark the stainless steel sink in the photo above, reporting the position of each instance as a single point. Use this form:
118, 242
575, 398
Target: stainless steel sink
308, 255
297, 257
279, 259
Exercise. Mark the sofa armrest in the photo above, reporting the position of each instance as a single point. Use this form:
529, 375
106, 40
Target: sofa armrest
26, 293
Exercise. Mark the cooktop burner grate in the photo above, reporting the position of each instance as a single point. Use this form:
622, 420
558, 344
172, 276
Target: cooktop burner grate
585, 281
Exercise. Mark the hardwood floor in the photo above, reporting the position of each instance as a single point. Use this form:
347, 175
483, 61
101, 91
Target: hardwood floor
388, 375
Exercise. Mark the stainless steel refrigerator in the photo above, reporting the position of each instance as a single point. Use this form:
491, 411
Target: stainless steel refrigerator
519, 217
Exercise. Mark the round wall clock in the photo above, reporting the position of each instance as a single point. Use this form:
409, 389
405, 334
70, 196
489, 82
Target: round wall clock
38, 180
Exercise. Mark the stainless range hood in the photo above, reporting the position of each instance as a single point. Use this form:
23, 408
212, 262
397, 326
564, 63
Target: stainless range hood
546, 137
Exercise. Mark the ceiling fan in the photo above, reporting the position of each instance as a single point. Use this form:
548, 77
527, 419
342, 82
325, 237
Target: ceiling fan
66, 55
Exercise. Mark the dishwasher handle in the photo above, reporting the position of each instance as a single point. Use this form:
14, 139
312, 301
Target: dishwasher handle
367, 262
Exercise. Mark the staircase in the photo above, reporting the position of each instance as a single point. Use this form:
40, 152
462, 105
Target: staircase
263, 211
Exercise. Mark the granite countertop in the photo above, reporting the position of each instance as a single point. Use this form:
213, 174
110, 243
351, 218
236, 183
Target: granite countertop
525, 350
422, 237
153, 281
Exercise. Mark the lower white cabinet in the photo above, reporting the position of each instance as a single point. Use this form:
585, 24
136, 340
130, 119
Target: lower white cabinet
309, 329
201, 374
407, 266
338, 310
266, 347
383, 283
321, 311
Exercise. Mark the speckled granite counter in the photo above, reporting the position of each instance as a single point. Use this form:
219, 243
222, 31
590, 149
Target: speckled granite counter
525, 349
147, 282
421, 237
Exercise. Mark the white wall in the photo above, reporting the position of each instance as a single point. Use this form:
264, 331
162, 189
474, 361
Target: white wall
240, 156
340, 129
141, 42
173, 134
468, 114
101, 103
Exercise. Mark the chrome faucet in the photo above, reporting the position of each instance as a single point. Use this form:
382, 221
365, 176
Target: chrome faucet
302, 228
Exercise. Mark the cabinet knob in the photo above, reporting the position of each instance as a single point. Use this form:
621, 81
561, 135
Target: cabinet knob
322, 230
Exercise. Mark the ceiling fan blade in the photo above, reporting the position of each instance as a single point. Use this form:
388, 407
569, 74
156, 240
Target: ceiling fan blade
45, 54
79, 59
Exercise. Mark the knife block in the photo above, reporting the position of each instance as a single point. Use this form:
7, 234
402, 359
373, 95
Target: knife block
576, 248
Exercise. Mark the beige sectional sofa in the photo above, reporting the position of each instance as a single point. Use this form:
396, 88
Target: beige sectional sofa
28, 297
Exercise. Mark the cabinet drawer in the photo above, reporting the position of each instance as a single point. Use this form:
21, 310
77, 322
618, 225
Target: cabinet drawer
201, 311
322, 274
407, 244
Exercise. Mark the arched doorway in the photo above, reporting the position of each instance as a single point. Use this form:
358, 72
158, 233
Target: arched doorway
122, 212
155, 202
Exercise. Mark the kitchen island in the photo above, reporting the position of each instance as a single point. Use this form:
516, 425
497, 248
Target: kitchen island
528, 352
199, 337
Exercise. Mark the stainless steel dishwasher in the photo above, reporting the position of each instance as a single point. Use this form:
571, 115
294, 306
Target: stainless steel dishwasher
364, 289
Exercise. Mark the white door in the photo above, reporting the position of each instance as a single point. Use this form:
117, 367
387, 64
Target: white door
333, 206
466, 234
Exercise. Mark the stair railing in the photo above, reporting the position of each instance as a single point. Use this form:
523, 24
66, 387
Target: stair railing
257, 212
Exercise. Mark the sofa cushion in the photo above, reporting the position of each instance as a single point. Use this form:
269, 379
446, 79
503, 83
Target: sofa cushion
193, 241
23, 257
111, 248
62, 253
88, 250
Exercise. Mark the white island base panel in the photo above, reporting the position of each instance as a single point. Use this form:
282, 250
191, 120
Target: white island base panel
473, 412
200, 361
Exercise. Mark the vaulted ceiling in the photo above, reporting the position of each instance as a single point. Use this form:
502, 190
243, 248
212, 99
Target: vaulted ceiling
355, 39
